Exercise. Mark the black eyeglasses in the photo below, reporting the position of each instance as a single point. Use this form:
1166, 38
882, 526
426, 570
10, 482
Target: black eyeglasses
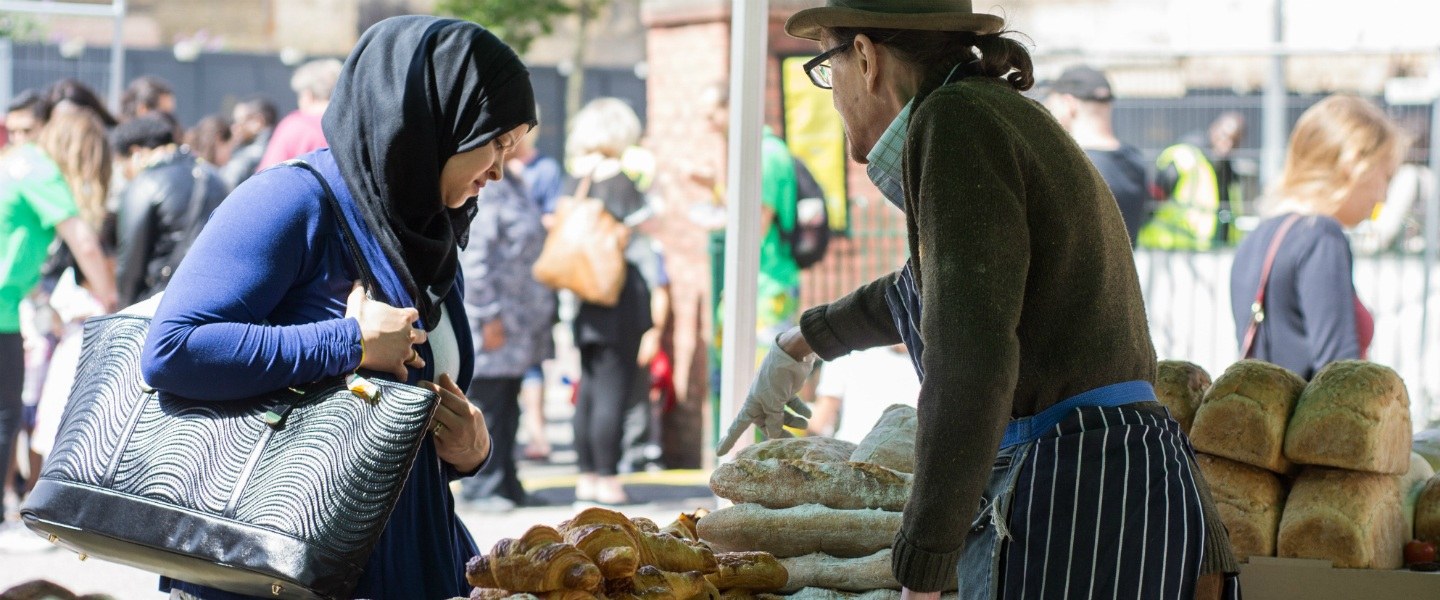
818, 68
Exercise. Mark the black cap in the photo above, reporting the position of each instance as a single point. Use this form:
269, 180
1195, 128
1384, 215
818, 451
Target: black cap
1084, 83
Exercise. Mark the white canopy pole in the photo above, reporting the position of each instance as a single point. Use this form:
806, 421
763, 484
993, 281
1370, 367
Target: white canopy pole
749, 20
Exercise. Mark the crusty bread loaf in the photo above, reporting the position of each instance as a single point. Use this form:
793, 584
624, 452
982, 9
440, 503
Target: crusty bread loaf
1354, 415
811, 448
1347, 517
814, 593
1249, 500
1244, 413
799, 530
1410, 485
846, 574
785, 483
1181, 386
1427, 511
891, 444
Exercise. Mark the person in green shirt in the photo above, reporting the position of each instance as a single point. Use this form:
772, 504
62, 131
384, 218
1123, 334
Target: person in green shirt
39, 185
778, 289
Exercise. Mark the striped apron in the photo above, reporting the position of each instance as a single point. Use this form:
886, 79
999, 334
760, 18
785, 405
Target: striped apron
1095, 497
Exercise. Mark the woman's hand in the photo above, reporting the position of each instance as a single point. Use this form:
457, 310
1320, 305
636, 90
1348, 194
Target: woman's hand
461, 438
386, 334
907, 594
492, 335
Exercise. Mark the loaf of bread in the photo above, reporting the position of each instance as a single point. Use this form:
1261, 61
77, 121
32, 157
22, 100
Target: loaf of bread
1410, 485
1427, 511
811, 448
848, 574
1181, 386
1354, 415
781, 483
800, 530
1347, 517
1244, 413
753, 571
891, 444
1249, 500
812, 593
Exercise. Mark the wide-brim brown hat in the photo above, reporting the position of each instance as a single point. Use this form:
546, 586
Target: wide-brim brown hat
920, 15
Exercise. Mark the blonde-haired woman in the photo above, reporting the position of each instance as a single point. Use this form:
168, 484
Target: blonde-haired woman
609, 338
1343, 152
54, 186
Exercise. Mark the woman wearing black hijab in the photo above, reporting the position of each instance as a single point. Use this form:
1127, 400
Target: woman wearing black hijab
422, 117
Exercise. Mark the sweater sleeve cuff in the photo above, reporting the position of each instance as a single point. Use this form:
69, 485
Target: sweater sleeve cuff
815, 326
920, 570
349, 345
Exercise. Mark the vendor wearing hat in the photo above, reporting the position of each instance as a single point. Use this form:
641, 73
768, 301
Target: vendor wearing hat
1044, 466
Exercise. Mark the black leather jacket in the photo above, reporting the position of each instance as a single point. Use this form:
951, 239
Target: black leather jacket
156, 222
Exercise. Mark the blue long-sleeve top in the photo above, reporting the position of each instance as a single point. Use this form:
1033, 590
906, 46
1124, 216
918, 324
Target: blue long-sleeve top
1310, 306
258, 304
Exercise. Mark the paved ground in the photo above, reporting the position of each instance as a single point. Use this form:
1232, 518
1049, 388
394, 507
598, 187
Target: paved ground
660, 496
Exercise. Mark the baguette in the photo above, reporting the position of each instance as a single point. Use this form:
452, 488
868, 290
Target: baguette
812, 448
754, 571
782, 483
891, 444
800, 530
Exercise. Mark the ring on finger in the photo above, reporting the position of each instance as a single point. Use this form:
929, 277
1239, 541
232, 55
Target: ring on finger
437, 428
414, 355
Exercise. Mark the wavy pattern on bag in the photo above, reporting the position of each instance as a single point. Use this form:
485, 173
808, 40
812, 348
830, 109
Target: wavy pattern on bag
91, 432
310, 475
189, 453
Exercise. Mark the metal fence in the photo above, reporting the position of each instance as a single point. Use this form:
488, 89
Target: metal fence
1188, 293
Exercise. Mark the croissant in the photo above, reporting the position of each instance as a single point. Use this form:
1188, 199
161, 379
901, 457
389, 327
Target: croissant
539, 561
645, 525
609, 547
663, 551
754, 571
494, 594
651, 583
685, 526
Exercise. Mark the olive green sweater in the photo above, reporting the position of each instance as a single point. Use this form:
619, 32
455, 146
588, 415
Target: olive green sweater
1029, 296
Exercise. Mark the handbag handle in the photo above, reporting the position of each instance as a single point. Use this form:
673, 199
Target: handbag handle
362, 266
1257, 308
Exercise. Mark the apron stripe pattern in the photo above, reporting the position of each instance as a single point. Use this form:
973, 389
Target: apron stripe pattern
1123, 477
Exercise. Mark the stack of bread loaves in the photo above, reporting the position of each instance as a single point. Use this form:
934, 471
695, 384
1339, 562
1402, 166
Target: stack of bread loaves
1345, 440
828, 509
601, 554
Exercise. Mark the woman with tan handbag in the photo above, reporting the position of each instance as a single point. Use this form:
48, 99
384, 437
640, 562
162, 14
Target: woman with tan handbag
609, 337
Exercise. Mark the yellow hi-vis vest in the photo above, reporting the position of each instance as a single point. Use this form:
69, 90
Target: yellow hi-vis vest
1186, 221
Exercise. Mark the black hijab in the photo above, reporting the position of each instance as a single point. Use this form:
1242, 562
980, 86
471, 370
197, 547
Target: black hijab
415, 91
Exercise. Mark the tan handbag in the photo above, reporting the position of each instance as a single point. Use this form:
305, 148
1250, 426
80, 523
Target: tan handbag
585, 252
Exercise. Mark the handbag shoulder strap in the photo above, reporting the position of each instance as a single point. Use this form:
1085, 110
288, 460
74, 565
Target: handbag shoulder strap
1257, 308
362, 266
582, 190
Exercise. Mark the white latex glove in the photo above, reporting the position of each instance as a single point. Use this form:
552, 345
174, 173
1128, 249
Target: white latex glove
780, 377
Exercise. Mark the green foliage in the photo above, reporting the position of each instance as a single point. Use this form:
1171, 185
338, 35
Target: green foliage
18, 26
518, 22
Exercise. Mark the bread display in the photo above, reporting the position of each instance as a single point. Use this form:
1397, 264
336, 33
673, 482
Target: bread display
601, 554
785, 483
1354, 415
800, 530
1181, 386
1427, 511
1350, 518
1249, 500
812, 448
891, 444
1244, 414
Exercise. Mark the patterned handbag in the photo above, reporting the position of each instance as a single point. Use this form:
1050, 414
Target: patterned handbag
282, 495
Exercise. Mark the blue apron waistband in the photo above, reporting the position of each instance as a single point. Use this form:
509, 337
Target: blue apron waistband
1029, 429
